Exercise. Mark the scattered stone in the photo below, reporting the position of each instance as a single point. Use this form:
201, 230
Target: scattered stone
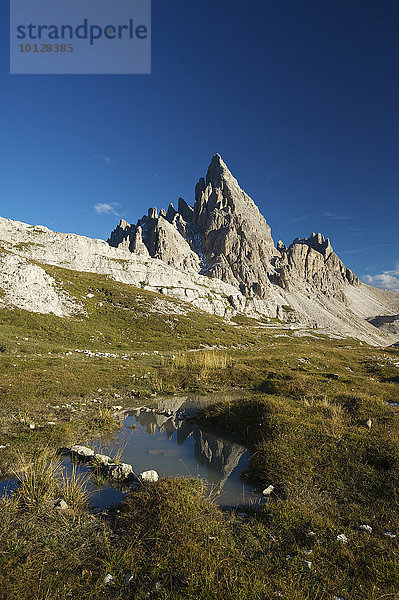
308, 552
366, 528
390, 534
102, 460
120, 472
117, 408
307, 564
32, 426
337, 598
158, 586
267, 491
369, 423
392, 403
149, 476
60, 504
108, 579
82, 451
51, 423
342, 538
129, 579
311, 534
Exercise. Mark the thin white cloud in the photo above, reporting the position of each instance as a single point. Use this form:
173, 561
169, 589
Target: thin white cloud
337, 217
101, 158
357, 250
388, 280
102, 208
325, 215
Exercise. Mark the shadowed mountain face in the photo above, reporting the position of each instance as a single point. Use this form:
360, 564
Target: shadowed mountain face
224, 236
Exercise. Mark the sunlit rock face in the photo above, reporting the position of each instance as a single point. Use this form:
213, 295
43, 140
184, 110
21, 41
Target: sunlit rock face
224, 236
312, 261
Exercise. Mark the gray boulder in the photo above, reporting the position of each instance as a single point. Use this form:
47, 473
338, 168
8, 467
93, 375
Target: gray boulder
120, 472
149, 476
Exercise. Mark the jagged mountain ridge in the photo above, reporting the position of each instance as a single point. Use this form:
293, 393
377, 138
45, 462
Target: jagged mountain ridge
224, 236
217, 256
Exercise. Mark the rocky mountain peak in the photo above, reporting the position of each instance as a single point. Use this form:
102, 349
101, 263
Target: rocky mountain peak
217, 172
312, 261
224, 236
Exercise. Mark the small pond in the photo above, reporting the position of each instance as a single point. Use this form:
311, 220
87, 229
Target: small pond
161, 436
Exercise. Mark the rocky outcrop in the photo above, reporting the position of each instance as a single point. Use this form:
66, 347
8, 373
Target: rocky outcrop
223, 236
312, 261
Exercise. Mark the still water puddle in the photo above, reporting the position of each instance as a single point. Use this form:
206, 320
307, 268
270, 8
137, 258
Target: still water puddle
163, 438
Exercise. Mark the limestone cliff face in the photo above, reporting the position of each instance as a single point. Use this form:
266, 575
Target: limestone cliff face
236, 241
225, 237
312, 261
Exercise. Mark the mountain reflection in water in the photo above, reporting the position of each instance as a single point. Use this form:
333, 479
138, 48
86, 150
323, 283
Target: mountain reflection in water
218, 455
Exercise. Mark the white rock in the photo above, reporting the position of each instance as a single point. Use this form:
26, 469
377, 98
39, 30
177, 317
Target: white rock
60, 504
108, 579
307, 564
102, 459
390, 534
267, 491
342, 538
82, 451
120, 472
366, 528
149, 476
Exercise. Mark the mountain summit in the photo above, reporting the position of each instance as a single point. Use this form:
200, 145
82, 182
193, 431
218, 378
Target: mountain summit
216, 256
224, 236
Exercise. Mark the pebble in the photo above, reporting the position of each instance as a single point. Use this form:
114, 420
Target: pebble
307, 564
366, 528
149, 476
390, 534
342, 538
60, 504
108, 579
267, 491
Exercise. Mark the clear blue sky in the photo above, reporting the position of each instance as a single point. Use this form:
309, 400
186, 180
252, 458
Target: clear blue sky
300, 98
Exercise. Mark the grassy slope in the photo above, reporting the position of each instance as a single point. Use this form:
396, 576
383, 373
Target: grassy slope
305, 429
